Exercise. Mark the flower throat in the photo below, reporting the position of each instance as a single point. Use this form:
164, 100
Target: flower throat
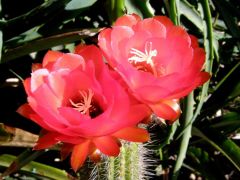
86, 105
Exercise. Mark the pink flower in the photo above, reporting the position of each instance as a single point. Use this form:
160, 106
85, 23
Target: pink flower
159, 62
78, 102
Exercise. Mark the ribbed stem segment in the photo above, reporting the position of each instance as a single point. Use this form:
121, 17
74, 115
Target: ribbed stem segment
132, 163
189, 105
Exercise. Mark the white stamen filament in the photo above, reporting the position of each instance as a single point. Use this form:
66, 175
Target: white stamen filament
139, 56
83, 107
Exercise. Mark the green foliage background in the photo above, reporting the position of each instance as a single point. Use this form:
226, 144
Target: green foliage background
204, 142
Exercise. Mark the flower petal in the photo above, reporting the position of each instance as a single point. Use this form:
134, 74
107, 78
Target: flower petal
151, 25
66, 149
69, 61
137, 113
73, 116
56, 82
152, 93
194, 41
49, 100
107, 145
79, 155
46, 141
168, 109
178, 31
165, 21
27, 86
118, 35
133, 134
50, 58
127, 20
25, 110
199, 80
37, 78
104, 39
36, 66
91, 53
95, 156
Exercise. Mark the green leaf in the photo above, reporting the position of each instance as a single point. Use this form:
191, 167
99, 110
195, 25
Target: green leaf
208, 45
226, 90
35, 168
187, 124
226, 11
226, 146
29, 35
198, 155
47, 42
227, 119
170, 135
202, 163
133, 6
76, 4
37, 16
174, 11
227, 123
189, 11
115, 9
235, 91
23, 159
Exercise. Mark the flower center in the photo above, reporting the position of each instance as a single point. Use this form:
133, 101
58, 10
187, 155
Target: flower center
86, 105
146, 58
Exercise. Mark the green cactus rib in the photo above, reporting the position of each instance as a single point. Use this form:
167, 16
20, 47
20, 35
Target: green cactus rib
131, 164
35, 168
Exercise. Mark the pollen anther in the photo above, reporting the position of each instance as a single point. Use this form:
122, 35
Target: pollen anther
139, 56
85, 104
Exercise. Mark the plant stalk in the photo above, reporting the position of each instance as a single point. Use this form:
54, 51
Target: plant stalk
116, 9
208, 43
190, 117
174, 15
189, 106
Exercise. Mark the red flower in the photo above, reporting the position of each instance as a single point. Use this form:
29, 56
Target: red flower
160, 62
77, 101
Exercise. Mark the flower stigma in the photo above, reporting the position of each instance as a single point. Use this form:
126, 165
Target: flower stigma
141, 57
84, 106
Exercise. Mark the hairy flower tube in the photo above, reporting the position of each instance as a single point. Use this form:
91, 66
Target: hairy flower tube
160, 62
78, 102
